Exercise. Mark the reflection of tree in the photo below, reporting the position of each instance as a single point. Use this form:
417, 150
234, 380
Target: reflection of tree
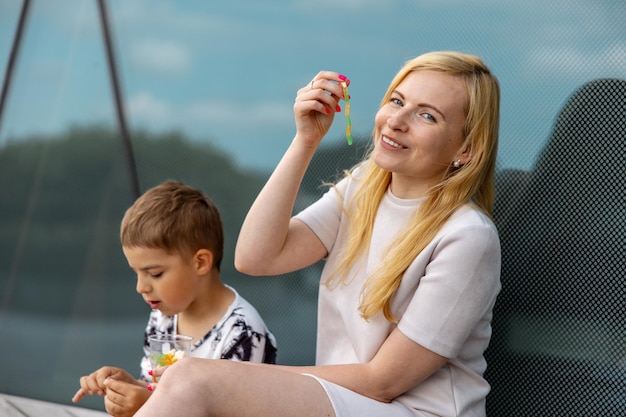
62, 198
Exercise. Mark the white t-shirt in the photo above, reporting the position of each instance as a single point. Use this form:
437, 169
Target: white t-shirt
444, 302
241, 335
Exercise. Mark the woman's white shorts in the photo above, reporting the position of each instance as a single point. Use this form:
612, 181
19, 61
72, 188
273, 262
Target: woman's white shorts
348, 403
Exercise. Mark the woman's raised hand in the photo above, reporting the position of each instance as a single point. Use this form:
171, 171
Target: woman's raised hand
316, 105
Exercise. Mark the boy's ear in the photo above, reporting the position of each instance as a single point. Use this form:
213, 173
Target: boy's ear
203, 261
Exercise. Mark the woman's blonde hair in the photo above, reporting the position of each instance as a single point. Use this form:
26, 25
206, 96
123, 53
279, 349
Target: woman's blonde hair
473, 181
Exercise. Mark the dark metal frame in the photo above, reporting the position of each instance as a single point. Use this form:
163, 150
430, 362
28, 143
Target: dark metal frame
115, 84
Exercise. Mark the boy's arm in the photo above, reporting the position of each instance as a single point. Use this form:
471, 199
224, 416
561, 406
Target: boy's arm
93, 384
124, 398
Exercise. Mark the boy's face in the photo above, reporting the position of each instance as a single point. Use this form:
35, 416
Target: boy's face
166, 282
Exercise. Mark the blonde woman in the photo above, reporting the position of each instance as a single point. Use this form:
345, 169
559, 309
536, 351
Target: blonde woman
412, 265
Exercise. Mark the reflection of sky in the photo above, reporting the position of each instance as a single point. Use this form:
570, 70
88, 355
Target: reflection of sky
227, 72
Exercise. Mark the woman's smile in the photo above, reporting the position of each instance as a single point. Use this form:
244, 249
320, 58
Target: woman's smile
393, 144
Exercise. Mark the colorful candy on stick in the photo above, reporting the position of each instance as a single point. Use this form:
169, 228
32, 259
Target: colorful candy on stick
346, 98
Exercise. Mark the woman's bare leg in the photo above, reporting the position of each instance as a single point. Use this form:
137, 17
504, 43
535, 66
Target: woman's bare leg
204, 388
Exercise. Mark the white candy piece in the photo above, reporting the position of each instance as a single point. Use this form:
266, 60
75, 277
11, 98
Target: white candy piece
178, 355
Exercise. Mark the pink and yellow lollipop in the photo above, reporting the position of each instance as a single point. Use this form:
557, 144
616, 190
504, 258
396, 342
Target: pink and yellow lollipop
346, 98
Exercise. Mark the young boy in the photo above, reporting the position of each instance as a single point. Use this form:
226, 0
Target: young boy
172, 238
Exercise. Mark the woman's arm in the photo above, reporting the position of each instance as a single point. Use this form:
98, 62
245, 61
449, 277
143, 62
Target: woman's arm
399, 365
269, 242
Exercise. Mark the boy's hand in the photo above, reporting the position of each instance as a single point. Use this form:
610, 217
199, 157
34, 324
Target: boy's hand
124, 398
93, 384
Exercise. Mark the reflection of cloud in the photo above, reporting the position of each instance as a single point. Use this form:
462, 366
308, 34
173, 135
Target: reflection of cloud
145, 109
265, 113
367, 6
182, 20
323, 6
615, 58
568, 61
161, 56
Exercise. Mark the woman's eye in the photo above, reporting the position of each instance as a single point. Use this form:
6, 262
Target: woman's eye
429, 117
157, 275
396, 101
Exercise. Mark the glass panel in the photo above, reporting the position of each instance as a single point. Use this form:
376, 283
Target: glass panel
63, 188
208, 90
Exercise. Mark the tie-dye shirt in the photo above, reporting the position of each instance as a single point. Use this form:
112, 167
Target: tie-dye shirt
240, 335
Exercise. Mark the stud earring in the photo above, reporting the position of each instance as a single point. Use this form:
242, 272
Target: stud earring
456, 163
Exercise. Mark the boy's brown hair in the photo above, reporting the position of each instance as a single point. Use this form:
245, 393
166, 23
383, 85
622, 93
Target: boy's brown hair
176, 218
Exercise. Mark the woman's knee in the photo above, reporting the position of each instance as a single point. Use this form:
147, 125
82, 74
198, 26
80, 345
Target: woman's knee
187, 371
